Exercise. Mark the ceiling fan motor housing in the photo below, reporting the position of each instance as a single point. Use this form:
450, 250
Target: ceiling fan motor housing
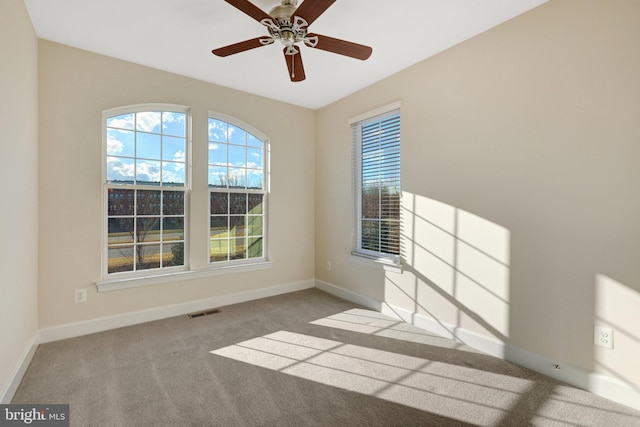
288, 32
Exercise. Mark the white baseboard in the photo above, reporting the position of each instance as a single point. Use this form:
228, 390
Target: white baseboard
368, 302
602, 385
76, 329
9, 390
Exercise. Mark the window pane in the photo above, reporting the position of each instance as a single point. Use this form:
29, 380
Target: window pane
380, 184
148, 256
148, 229
147, 172
390, 204
219, 250
172, 173
255, 247
172, 229
173, 203
219, 227
120, 143
237, 248
253, 141
237, 226
217, 176
237, 135
217, 130
254, 179
370, 202
217, 154
148, 121
145, 228
219, 203
254, 225
237, 156
148, 146
255, 203
254, 158
120, 230
237, 178
173, 254
120, 170
148, 202
370, 236
120, 202
237, 203
390, 237
120, 259
236, 161
173, 149
173, 123
124, 121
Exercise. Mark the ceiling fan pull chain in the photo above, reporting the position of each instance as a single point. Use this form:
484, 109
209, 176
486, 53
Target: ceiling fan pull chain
293, 68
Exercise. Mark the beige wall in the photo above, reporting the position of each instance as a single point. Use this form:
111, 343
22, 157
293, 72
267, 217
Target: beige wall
75, 87
19, 191
520, 154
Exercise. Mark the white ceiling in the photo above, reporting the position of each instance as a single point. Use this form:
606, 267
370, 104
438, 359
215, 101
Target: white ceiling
178, 36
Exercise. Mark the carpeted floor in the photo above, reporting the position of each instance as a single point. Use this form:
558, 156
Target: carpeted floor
300, 359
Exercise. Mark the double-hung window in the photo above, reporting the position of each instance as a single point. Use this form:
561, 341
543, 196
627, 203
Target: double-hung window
145, 190
376, 142
237, 192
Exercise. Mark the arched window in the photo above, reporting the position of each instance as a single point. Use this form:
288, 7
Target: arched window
145, 189
237, 191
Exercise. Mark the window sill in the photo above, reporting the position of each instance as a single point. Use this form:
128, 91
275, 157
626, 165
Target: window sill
136, 282
383, 263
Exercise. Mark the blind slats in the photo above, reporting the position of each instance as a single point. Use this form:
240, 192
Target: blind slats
378, 151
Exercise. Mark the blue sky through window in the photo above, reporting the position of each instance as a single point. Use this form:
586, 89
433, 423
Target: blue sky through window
157, 142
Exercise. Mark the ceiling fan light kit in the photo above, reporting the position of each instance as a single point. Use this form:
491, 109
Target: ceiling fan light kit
289, 24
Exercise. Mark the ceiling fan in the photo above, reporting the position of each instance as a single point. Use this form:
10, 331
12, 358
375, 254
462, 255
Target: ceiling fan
289, 24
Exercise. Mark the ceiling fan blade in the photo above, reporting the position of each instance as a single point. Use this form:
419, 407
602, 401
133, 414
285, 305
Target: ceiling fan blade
342, 47
294, 64
250, 9
310, 10
242, 46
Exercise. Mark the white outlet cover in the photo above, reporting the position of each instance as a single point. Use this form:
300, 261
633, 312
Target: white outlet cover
603, 337
81, 295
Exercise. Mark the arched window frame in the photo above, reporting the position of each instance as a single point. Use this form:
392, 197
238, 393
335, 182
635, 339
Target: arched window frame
168, 225
255, 224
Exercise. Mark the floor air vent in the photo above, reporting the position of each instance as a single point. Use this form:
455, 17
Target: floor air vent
203, 313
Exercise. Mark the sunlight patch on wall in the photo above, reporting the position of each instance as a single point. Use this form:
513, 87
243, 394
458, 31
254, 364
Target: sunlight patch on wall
617, 306
456, 267
423, 384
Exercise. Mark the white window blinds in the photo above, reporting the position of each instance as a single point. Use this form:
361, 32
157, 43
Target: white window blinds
377, 154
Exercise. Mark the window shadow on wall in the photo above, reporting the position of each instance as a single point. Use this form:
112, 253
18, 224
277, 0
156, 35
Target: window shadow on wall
617, 307
455, 271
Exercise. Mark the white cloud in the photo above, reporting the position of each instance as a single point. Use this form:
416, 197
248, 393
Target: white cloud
219, 130
123, 122
173, 123
148, 171
114, 146
117, 170
171, 117
179, 156
148, 121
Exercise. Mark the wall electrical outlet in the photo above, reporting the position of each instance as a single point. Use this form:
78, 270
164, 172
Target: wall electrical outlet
328, 265
81, 295
603, 337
